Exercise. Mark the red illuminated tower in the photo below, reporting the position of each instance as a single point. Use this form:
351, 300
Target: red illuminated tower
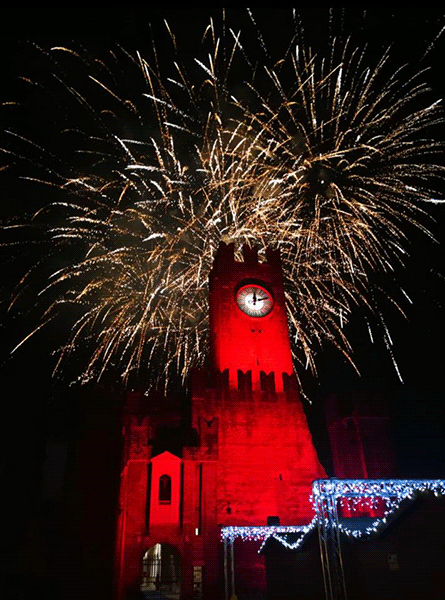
248, 456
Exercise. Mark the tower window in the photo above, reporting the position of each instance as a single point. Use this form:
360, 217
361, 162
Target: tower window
165, 489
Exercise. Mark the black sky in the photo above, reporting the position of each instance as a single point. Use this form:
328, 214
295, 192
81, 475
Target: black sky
419, 341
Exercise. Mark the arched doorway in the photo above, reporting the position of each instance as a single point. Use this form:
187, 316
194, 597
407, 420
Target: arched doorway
161, 572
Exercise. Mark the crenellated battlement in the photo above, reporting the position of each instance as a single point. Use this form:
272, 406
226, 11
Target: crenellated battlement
241, 381
225, 255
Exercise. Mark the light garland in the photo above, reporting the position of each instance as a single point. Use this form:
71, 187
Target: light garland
367, 494
379, 488
261, 533
356, 495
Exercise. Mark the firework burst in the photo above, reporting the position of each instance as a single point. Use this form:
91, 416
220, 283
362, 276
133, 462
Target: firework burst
326, 158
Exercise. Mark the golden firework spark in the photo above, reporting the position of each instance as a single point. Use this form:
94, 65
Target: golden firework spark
328, 159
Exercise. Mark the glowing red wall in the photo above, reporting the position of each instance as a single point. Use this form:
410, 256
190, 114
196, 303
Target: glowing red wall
132, 505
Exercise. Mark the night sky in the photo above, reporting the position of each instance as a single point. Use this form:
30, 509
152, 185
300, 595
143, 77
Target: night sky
33, 409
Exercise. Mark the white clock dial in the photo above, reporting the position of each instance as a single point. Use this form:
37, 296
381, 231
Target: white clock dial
254, 300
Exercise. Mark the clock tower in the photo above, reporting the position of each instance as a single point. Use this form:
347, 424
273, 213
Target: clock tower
246, 456
248, 321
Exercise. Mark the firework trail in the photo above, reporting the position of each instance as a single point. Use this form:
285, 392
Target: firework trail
327, 158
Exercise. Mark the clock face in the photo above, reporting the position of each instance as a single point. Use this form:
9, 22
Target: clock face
254, 300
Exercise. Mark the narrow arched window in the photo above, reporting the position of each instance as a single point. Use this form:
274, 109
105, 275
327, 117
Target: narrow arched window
165, 489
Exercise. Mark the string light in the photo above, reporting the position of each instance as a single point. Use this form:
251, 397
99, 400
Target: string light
393, 491
261, 533
358, 495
